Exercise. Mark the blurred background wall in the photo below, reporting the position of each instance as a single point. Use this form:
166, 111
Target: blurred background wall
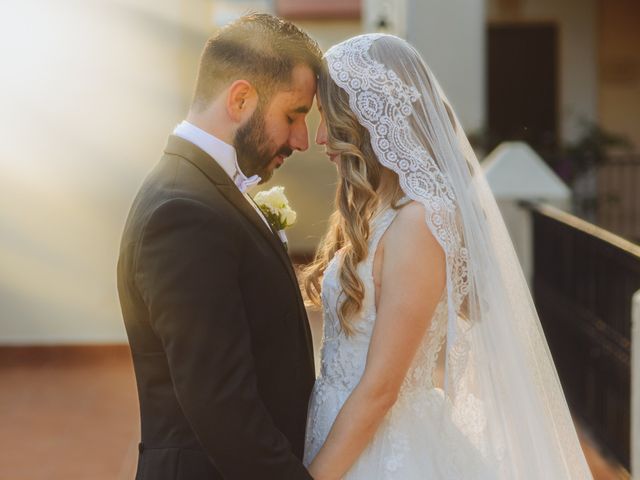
451, 38
619, 67
90, 89
575, 22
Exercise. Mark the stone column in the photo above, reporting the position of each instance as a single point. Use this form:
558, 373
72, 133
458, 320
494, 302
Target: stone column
518, 174
388, 16
635, 385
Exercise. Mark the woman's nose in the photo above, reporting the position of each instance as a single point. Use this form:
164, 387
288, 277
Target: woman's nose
321, 134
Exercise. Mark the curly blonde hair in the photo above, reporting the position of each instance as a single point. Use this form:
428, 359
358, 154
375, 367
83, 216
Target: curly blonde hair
364, 187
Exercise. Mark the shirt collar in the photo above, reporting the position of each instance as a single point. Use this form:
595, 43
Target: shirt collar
220, 151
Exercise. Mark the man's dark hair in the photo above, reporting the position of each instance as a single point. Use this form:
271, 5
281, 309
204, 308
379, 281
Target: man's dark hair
259, 48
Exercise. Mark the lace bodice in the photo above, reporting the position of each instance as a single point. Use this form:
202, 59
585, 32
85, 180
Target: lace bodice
416, 439
343, 358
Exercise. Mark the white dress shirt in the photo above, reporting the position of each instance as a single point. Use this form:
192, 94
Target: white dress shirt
224, 154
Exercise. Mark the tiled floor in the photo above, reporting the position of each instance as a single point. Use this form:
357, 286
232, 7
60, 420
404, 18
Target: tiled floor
71, 413
67, 413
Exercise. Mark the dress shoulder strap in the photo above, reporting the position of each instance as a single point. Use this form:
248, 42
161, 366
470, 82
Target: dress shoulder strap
379, 226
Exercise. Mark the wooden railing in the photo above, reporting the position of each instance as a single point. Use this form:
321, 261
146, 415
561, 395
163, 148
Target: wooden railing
583, 282
617, 207
608, 193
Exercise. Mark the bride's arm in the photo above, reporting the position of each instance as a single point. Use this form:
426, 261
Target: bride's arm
412, 280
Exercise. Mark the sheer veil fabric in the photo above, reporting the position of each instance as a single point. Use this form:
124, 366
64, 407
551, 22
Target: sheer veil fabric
500, 380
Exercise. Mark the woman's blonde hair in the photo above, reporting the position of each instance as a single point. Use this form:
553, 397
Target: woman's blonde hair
358, 198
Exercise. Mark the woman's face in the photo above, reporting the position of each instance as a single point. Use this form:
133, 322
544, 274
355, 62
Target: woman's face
322, 135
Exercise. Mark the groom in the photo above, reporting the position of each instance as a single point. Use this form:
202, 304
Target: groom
217, 327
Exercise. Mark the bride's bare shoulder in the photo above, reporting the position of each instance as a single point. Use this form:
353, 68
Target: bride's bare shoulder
411, 211
409, 231
409, 244
411, 252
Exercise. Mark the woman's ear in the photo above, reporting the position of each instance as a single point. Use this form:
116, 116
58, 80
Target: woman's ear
242, 100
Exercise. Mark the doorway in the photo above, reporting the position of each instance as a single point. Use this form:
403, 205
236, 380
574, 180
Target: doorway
523, 85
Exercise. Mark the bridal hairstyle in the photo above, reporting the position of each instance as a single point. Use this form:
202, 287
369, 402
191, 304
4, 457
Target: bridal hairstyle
259, 48
356, 201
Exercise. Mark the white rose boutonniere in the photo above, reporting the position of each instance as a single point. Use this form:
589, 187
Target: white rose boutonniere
274, 205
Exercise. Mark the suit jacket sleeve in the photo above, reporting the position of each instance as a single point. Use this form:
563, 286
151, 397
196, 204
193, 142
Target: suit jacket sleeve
187, 271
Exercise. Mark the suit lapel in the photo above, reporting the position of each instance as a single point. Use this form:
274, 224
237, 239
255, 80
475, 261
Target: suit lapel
215, 173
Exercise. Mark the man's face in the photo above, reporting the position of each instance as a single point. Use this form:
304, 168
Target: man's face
274, 131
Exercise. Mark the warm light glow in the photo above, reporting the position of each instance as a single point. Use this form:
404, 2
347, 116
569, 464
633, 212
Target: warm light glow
89, 90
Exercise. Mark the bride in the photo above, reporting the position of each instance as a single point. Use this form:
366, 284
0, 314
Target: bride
434, 364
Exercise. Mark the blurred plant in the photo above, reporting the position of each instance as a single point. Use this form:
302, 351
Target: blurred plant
577, 164
592, 148
570, 160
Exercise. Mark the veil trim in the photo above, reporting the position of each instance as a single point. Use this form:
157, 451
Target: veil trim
383, 104
500, 381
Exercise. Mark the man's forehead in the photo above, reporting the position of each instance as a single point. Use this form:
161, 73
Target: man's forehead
302, 77
298, 94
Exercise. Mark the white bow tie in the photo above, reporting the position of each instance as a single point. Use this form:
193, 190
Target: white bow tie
244, 183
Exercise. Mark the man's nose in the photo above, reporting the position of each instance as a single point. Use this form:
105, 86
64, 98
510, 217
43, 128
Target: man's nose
300, 138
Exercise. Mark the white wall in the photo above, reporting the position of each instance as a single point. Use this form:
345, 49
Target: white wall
450, 35
89, 91
578, 52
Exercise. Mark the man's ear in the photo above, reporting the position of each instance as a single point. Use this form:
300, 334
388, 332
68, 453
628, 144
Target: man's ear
242, 100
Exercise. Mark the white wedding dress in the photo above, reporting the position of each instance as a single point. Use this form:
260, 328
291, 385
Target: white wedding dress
418, 438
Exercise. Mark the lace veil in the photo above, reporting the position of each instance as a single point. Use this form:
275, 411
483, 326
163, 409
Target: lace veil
500, 381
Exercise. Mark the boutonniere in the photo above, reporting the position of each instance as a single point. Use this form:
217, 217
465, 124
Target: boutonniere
274, 205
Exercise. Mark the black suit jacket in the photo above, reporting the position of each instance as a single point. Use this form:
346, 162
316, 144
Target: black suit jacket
219, 335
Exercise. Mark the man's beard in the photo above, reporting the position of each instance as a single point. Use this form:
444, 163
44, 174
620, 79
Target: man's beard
254, 148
